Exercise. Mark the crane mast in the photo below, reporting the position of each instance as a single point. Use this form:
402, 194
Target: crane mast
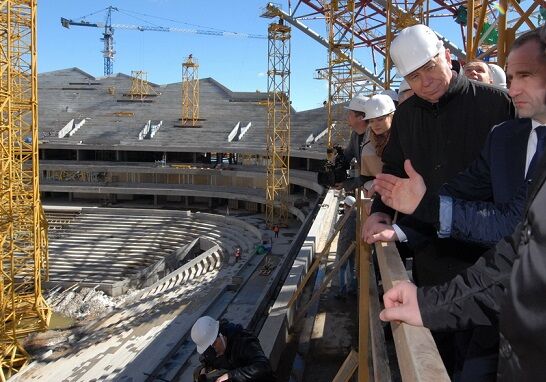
23, 228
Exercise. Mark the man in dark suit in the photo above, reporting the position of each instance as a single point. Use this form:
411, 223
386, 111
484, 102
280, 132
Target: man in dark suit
485, 202
511, 277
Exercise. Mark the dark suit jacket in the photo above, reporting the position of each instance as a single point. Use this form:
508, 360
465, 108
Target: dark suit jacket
489, 196
508, 281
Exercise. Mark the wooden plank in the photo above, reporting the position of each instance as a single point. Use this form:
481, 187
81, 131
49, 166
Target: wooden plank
381, 367
418, 357
363, 298
363, 310
348, 368
319, 258
325, 282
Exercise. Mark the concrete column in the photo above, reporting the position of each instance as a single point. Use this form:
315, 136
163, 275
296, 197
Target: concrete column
308, 163
117, 156
155, 200
77, 155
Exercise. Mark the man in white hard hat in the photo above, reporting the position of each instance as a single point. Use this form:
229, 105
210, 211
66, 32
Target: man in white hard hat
227, 346
353, 150
441, 129
404, 91
498, 75
391, 93
347, 234
508, 283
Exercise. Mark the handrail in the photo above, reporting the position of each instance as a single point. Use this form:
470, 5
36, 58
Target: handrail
418, 357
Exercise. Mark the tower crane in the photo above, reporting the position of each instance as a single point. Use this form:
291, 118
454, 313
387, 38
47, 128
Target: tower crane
108, 33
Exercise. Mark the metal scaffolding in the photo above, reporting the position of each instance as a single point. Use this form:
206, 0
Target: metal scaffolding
23, 228
340, 19
190, 92
278, 125
140, 88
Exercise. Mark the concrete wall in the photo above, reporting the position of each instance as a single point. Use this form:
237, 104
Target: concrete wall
274, 333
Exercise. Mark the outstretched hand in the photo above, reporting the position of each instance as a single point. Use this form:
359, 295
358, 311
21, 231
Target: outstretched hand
401, 305
402, 194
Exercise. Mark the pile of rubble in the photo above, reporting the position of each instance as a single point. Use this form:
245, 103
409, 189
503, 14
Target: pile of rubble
84, 303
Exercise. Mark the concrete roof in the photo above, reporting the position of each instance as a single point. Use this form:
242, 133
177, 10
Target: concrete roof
74, 94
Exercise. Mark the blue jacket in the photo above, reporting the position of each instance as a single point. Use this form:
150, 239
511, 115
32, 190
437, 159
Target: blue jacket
488, 197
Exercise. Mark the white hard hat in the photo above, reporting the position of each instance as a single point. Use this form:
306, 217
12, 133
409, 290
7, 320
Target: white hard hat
378, 106
413, 48
349, 200
357, 103
391, 93
204, 332
404, 86
497, 75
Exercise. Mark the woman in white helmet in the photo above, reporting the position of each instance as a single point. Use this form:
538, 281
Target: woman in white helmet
379, 111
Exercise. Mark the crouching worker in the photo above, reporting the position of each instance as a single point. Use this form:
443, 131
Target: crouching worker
228, 353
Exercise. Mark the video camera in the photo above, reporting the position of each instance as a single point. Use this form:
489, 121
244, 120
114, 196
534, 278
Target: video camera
336, 171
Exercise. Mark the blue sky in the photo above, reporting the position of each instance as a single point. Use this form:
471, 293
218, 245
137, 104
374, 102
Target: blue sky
238, 63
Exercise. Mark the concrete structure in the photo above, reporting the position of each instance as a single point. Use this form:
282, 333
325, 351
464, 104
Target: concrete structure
97, 143
119, 249
100, 147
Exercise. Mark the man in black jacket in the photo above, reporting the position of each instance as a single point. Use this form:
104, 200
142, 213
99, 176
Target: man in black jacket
227, 346
511, 277
507, 284
441, 129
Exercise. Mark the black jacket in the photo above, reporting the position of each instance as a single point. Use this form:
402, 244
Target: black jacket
489, 196
509, 283
441, 140
244, 357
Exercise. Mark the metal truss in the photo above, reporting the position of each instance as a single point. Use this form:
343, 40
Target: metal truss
190, 92
23, 228
278, 125
376, 22
140, 88
340, 23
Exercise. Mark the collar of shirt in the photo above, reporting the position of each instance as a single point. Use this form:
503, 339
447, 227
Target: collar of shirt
531, 144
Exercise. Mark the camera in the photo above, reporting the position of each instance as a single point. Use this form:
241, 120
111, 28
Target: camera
336, 171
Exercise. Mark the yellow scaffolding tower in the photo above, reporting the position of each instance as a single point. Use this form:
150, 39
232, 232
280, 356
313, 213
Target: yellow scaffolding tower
278, 125
190, 92
140, 88
340, 20
23, 228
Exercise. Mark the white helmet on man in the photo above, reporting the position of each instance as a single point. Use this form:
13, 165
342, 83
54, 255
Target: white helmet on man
349, 200
378, 106
357, 103
414, 47
498, 76
404, 86
391, 93
204, 332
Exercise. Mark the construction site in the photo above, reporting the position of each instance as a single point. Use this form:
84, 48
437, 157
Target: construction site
123, 202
